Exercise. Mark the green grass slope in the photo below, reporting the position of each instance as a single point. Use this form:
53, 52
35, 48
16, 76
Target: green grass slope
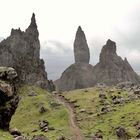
5, 135
27, 115
91, 119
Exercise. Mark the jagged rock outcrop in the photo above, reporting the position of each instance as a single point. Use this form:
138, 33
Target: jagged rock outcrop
112, 69
21, 50
80, 74
8, 96
81, 50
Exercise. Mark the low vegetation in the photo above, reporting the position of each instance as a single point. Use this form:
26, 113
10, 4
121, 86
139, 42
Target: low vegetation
28, 115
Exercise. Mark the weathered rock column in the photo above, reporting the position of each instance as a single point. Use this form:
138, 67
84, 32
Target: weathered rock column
81, 50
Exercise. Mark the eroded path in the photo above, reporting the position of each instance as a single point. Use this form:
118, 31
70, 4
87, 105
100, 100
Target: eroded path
72, 120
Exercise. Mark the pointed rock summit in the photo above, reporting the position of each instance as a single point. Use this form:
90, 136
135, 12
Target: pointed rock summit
32, 29
112, 69
81, 50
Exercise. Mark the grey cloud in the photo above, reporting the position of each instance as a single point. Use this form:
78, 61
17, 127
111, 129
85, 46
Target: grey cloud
56, 59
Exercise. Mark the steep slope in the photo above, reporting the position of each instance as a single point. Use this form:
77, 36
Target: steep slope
21, 50
112, 69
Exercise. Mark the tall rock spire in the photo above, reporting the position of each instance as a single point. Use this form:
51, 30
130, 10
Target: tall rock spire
81, 50
33, 22
32, 29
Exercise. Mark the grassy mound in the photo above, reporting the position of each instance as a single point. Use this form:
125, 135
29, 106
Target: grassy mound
27, 115
91, 119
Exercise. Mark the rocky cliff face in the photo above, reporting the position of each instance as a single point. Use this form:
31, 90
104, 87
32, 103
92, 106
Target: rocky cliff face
21, 50
8, 96
81, 50
112, 69
80, 74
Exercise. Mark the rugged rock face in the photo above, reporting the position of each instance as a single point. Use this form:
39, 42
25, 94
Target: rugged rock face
8, 96
81, 50
112, 69
76, 76
21, 50
80, 74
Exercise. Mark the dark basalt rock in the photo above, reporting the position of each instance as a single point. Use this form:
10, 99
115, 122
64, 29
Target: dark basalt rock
81, 50
112, 69
8, 96
21, 50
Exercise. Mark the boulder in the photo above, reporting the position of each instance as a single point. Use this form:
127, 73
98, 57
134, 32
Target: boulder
121, 132
8, 96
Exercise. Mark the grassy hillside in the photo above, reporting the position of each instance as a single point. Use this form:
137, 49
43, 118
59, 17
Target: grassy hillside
91, 119
5, 136
27, 115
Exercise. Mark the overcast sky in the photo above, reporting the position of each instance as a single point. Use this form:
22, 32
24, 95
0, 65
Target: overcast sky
58, 20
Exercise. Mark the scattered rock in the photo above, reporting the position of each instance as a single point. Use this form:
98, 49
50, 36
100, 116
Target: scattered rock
39, 137
138, 135
102, 95
51, 128
121, 132
137, 92
82, 110
21, 138
42, 109
98, 135
105, 109
43, 125
32, 94
15, 131
136, 123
